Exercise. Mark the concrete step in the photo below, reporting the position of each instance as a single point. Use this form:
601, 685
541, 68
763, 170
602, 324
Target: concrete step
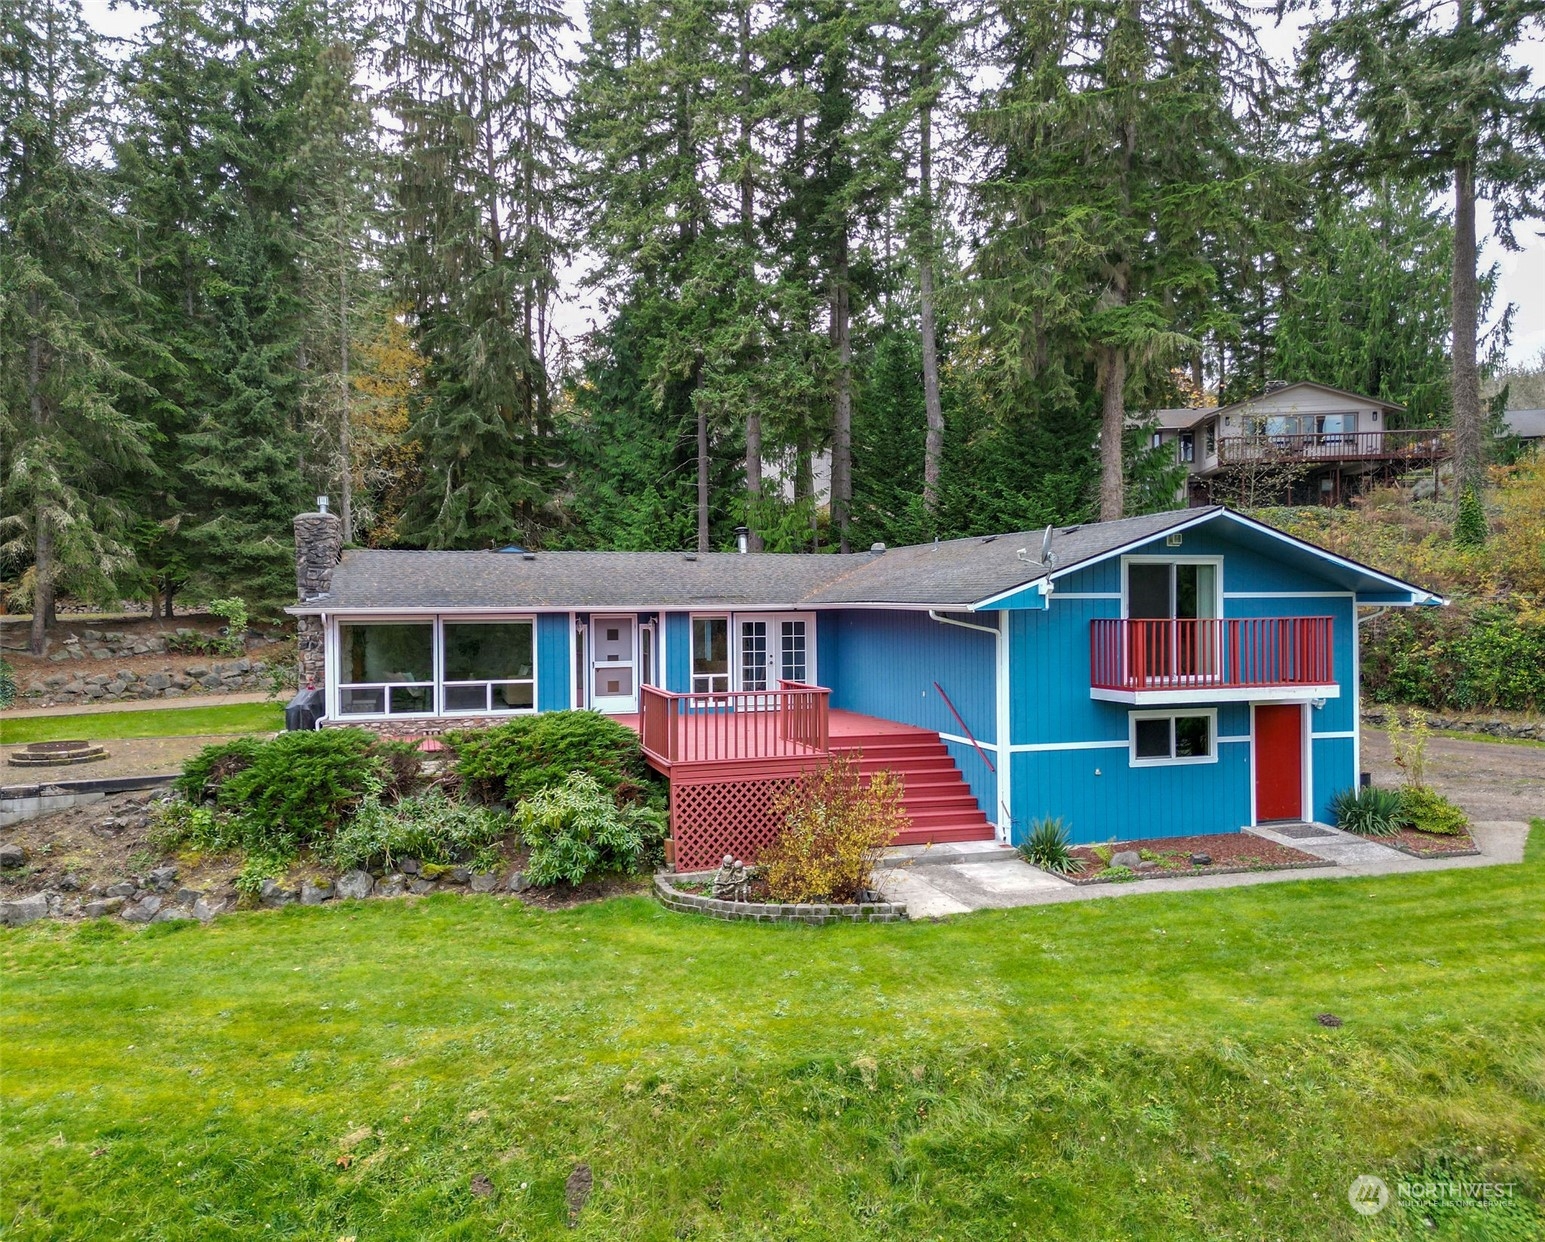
947, 853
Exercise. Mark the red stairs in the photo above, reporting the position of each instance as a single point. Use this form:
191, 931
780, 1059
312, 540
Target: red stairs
937, 798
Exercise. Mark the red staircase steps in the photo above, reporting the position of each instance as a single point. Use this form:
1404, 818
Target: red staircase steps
936, 797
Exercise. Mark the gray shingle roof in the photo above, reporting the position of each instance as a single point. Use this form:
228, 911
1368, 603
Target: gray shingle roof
946, 574
1530, 424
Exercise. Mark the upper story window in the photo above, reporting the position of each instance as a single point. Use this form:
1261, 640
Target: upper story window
1322, 428
1173, 589
1187, 446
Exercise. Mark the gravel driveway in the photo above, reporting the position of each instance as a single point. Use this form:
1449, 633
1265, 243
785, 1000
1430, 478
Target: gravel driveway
1491, 780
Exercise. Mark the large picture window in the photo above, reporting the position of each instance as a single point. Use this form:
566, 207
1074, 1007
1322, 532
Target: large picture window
1173, 737
386, 669
489, 666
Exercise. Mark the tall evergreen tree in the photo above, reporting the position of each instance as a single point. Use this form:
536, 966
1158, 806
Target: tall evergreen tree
1117, 159
1437, 95
65, 298
474, 89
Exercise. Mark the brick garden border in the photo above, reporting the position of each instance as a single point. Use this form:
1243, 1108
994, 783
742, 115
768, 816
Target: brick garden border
673, 898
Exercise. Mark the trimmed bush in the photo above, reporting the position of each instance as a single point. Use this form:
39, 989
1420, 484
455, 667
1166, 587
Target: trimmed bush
1370, 812
523, 757
430, 828
1425, 809
835, 828
205, 772
1049, 848
577, 832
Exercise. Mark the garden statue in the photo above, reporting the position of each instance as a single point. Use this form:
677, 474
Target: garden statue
729, 881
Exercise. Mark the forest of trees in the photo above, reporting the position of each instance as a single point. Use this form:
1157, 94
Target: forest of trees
266, 249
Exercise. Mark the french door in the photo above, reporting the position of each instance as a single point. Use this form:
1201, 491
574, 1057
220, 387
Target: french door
772, 648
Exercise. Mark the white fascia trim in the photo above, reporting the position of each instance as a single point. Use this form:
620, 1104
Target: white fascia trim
1086, 595
1219, 694
1021, 748
1040, 586
1343, 733
1290, 595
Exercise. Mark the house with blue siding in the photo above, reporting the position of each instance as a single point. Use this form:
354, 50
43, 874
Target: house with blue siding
1165, 675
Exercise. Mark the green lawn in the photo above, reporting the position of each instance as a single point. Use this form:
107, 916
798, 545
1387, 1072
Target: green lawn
1147, 1067
151, 722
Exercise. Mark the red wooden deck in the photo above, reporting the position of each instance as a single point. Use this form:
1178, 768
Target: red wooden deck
727, 767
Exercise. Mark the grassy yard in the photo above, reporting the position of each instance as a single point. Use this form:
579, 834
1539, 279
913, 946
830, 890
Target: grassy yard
1148, 1067
152, 722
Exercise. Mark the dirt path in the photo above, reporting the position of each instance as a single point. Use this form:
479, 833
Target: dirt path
135, 756
1491, 780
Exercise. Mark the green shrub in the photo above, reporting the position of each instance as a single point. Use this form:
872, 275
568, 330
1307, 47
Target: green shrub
515, 760
205, 772
1460, 658
1105, 851
834, 829
1370, 812
233, 611
576, 832
1426, 810
182, 825
1049, 848
430, 828
7, 683
258, 868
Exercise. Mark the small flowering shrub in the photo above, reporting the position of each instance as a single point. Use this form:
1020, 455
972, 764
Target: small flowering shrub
835, 828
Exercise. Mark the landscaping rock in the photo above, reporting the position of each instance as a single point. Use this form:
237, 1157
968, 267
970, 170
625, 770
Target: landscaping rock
517, 882
157, 681
353, 885
457, 875
1126, 858
162, 878
274, 895
24, 910
69, 883
391, 886
173, 914
122, 889
411, 866
485, 882
187, 896
315, 894
102, 908
12, 855
204, 909
420, 886
1201, 860
142, 911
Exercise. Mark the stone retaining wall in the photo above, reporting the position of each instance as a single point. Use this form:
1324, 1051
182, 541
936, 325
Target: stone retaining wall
1491, 726
198, 676
673, 898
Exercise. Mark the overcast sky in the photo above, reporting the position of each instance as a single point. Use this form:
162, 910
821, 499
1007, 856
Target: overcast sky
1522, 273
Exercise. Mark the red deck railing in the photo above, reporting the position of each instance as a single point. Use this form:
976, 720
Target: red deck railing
1414, 444
793, 721
1218, 653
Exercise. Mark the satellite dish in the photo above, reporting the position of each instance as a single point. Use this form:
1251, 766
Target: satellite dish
1046, 556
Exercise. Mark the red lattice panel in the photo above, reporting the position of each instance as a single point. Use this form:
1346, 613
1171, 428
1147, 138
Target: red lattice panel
709, 821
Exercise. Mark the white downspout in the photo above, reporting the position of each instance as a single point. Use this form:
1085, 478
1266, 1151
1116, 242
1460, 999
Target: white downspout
999, 634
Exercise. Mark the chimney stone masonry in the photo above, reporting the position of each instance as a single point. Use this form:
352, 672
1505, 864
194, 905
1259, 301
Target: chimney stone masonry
318, 543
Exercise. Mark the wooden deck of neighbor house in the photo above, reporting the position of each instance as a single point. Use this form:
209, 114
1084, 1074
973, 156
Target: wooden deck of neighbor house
729, 756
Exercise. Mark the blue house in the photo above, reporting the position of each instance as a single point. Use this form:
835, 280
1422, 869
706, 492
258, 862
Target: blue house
1172, 674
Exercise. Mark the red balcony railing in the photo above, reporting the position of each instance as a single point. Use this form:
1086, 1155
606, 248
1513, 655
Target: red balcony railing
1218, 653
1417, 445
793, 721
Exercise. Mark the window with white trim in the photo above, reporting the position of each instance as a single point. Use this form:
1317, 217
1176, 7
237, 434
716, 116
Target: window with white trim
1173, 737
710, 655
490, 666
386, 668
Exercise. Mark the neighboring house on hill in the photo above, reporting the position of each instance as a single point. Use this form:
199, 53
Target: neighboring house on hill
1296, 443
1526, 425
1176, 673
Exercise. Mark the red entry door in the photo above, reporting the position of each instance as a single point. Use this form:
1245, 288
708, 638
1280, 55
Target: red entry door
1279, 761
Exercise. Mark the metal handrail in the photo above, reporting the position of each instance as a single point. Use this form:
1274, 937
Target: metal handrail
970, 737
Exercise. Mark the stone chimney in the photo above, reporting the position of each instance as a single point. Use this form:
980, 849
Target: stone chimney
318, 544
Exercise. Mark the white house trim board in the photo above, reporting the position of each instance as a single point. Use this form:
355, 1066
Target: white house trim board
965, 741
1327, 737
1021, 748
1290, 595
1306, 745
1218, 694
1004, 724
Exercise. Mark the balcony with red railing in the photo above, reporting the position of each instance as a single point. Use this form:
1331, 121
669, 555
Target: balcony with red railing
1212, 659
791, 723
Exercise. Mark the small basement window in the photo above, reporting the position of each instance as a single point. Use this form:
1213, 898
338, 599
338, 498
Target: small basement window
1173, 737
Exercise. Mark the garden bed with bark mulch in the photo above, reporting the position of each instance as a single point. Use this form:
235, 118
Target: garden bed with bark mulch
1430, 845
1169, 857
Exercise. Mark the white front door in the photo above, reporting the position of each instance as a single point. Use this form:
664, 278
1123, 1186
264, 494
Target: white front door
614, 664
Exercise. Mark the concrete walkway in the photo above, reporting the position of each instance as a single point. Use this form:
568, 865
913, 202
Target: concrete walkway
936, 887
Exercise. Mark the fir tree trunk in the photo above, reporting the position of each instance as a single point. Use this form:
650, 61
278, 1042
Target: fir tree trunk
753, 479
842, 397
702, 476
1469, 428
345, 448
933, 445
748, 240
42, 583
1113, 378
